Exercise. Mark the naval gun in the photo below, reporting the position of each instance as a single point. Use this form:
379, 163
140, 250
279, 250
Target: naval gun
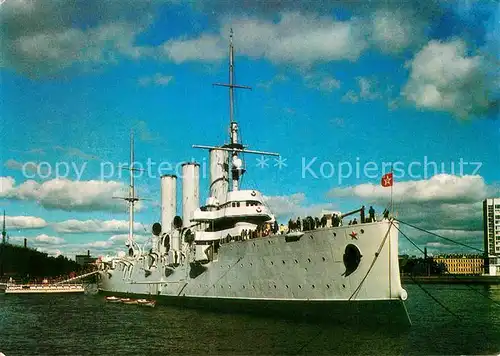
361, 212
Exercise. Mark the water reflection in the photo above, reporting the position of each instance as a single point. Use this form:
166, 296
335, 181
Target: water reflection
85, 324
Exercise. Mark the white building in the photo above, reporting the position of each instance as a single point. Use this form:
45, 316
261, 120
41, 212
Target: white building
491, 223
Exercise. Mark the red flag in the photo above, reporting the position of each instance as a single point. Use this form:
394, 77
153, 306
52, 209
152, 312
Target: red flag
387, 180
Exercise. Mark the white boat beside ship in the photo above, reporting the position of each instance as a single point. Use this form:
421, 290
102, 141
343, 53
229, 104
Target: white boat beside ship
222, 256
10, 288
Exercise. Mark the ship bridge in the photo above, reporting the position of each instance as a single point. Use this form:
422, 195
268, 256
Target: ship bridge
244, 205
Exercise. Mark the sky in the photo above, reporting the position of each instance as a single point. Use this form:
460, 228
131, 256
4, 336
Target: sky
342, 90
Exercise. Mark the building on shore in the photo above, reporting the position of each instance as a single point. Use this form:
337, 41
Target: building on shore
491, 225
84, 260
462, 264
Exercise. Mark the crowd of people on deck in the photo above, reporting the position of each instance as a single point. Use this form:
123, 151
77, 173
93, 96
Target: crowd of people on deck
304, 224
310, 223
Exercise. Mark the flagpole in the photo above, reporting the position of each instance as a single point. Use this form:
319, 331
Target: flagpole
392, 184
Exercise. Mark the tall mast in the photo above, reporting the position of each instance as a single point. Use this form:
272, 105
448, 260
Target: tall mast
231, 80
131, 193
131, 198
234, 147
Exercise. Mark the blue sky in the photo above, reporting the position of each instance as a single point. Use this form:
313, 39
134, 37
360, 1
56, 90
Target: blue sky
337, 85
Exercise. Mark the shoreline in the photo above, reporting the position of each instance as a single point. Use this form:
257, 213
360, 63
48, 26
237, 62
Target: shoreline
451, 279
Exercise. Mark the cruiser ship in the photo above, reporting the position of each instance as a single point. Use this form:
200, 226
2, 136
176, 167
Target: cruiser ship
227, 255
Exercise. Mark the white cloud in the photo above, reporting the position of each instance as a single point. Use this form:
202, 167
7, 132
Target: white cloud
350, 97
75, 152
453, 241
294, 205
206, 48
443, 188
60, 49
33, 151
434, 216
65, 194
54, 252
50, 240
24, 222
444, 77
41, 37
367, 88
321, 81
278, 78
26, 167
392, 31
6, 186
157, 79
89, 226
295, 38
99, 244
121, 238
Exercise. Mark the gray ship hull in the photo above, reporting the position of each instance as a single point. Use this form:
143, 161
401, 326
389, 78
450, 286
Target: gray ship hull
310, 275
383, 312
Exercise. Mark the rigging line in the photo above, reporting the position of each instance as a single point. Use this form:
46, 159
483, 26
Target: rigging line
223, 275
465, 284
442, 237
377, 254
436, 300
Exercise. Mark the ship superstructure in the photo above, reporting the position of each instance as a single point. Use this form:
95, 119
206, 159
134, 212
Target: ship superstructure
228, 254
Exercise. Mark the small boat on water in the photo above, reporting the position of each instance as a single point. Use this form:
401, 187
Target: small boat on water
113, 299
146, 303
11, 288
129, 301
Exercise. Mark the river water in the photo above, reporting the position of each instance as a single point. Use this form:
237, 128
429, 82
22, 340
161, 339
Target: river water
87, 325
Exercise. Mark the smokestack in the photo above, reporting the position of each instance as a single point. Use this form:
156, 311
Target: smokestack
25, 242
168, 201
88, 253
219, 181
190, 191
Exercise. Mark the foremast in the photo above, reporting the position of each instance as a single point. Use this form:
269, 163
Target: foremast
131, 199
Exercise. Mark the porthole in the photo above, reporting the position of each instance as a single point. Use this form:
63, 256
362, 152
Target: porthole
286, 285
362, 231
311, 236
313, 286
324, 259
268, 241
328, 286
334, 234
308, 260
343, 285
274, 286
283, 261
300, 286
272, 262
296, 261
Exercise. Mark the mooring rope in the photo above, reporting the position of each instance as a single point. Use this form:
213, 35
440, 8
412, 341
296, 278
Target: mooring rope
444, 238
467, 285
